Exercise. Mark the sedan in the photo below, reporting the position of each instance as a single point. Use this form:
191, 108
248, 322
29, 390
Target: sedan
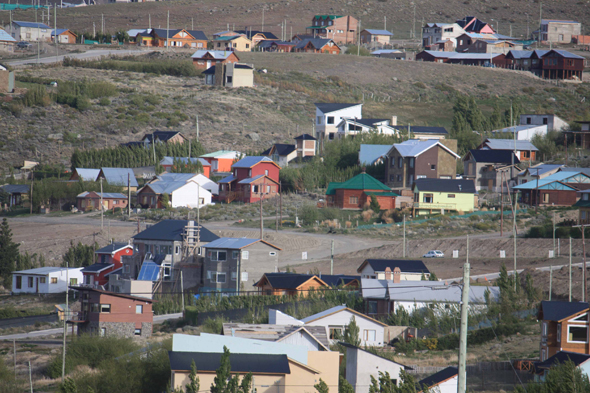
433, 254
24, 45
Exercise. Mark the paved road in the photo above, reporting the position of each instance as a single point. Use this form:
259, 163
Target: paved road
91, 54
493, 276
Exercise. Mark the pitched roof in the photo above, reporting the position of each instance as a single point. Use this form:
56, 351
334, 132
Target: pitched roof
31, 24
439, 377
369, 154
45, 270
222, 154
249, 180
287, 280
282, 149
519, 54
227, 179
372, 353
171, 230
562, 357
541, 169
97, 267
406, 266
198, 35
327, 107
87, 174
119, 176
112, 248
164, 186
4, 36
415, 147
494, 156
252, 33
317, 43
59, 31
241, 363
171, 176
234, 243
362, 181
563, 53
508, 144
335, 280
250, 161
275, 333
335, 310
167, 160
423, 129
161, 135
105, 195
228, 37
557, 311
269, 43
16, 188
518, 128
116, 294
471, 23
305, 137
446, 185
378, 32
562, 177
462, 56
216, 54
557, 21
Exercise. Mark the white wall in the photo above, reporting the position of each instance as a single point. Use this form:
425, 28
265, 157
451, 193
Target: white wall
410, 306
360, 365
47, 287
341, 319
322, 125
302, 339
276, 317
553, 122
206, 183
449, 386
186, 196
527, 135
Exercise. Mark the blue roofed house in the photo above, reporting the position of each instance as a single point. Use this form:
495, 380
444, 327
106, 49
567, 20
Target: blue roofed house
17, 193
91, 200
120, 177
85, 174
64, 36
558, 189
232, 264
372, 36
28, 31
7, 42
373, 154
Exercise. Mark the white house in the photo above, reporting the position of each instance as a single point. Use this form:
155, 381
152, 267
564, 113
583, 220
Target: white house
524, 132
182, 194
362, 364
198, 178
553, 122
314, 338
45, 279
385, 269
444, 381
358, 126
436, 32
328, 116
29, 31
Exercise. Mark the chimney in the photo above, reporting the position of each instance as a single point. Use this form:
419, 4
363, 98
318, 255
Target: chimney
388, 273
397, 275
393, 121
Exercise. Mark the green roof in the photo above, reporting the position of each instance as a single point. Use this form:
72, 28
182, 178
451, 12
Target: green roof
376, 193
317, 27
226, 38
361, 181
327, 16
582, 203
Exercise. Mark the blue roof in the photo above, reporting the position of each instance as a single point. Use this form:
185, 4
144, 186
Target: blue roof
118, 176
31, 24
250, 179
149, 271
4, 36
554, 181
565, 54
231, 243
87, 174
165, 187
15, 188
371, 153
110, 195
323, 313
58, 31
176, 177
97, 267
521, 54
378, 32
541, 169
385, 51
227, 179
249, 162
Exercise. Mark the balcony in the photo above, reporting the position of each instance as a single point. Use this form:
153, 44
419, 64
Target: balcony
435, 206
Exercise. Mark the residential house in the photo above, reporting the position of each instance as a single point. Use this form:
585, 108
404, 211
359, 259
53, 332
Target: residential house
358, 191
525, 150
564, 327
300, 284
108, 260
164, 137
559, 189
272, 364
237, 43
341, 29
222, 160
583, 205
446, 46
466, 40
353, 127
493, 46
373, 154
6, 45
187, 194
200, 179
110, 314
477, 59
252, 179
205, 59
539, 171
423, 132
6, 77
520, 60
85, 174
440, 32
579, 360
297, 38
553, 122
473, 25
121, 177
523, 132
581, 39
395, 270
419, 159
559, 31
276, 46
317, 45
362, 365
315, 338
444, 381
371, 36
118, 284
561, 64
17, 193
229, 258
443, 195
168, 163
45, 280
230, 75
305, 145
581, 137
178, 38
64, 36
29, 31
328, 116
256, 36
90, 201
395, 54
485, 168
281, 153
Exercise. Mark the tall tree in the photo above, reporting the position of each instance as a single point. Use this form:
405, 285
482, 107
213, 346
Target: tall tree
322, 387
344, 386
352, 333
8, 253
194, 383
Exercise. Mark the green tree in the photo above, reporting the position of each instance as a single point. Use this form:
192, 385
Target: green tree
194, 384
165, 200
322, 387
562, 378
8, 253
374, 387
432, 277
375, 206
344, 386
225, 383
69, 386
351, 333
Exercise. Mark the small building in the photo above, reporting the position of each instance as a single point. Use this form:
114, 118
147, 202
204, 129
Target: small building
168, 163
253, 178
476, 59
473, 25
305, 145
205, 59
539, 171
314, 338
178, 38
276, 46
231, 262
164, 137
444, 195
561, 64
90, 201
493, 46
6, 45
317, 45
85, 174
564, 327
523, 132
110, 314
485, 168
440, 32
199, 178
559, 189
329, 115
583, 205
256, 36
342, 29
297, 38
525, 150
187, 194
29, 31
444, 381
559, 31
108, 260
281, 153
230, 75
395, 270
44, 280
369, 36
358, 191
64, 36
353, 127
373, 154
237, 43
289, 284
553, 122
120, 177
395, 54
424, 132
17, 193
222, 160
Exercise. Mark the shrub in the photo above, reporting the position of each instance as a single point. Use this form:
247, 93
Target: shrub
16, 109
36, 96
367, 215
420, 85
104, 102
482, 86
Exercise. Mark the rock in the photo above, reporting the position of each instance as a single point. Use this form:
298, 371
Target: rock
254, 136
55, 136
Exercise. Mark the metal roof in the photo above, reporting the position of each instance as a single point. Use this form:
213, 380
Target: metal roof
306, 137
150, 271
87, 174
373, 354
249, 162
59, 31
97, 267
540, 169
557, 20
167, 160
217, 54
250, 179
369, 154
252, 33
362, 181
4, 36
372, 288
520, 54
415, 147
439, 377
379, 32
324, 313
446, 185
509, 144
239, 362
223, 154
519, 128
463, 56
105, 195
112, 248
443, 294
494, 156
565, 54
227, 179
228, 37
281, 149
423, 129
45, 270
171, 230
328, 108
557, 311
406, 266
275, 333
184, 177
119, 176
198, 35
16, 188
317, 43
561, 177
560, 358
385, 51
165, 187
235, 243
286, 280
31, 24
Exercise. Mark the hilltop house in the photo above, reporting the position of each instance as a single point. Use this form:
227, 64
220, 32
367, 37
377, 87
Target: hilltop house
205, 59
305, 145
564, 327
230, 75
352, 127
28, 31
393, 270
317, 45
442, 195
433, 33
485, 168
164, 137
45, 280
253, 178
342, 29
561, 64
559, 31
121, 177
222, 160
552, 122
371, 36
356, 192
328, 116
178, 38
90, 201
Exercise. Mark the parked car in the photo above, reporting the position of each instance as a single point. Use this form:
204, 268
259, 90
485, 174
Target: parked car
24, 45
433, 254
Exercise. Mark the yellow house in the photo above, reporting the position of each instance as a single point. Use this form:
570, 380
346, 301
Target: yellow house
443, 195
237, 43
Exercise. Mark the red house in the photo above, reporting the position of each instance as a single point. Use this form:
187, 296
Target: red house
108, 261
253, 178
89, 201
356, 192
561, 64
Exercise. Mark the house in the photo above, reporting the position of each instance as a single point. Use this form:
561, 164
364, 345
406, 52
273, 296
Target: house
342, 29
112, 253
446, 46
64, 36
353, 127
297, 38
6, 45
317, 45
118, 284
561, 64
256, 36
281, 153
17, 193
252, 178
362, 364
559, 189
222, 160
468, 39
121, 177
493, 46
229, 258
315, 338
564, 327
306, 145
395, 54
230, 75
393, 270
29, 31
90, 201
383, 297
373, 154
187, 194
237, 43
205, 59
108, 260
540, 171
200, 179
110, 314
583, 205
444, 381
423, 132
290, 284
552, 122
442, 195
525, 150
45, 280
168, 163
272, 364
440, 32
276, 46
485, 168
382, 37
328, 116
559, 31
85, 174
357, 192
523, 132
581, 137
477, 59
418, 159
164, 137
519, 60
178, 38
579, 360
473, 25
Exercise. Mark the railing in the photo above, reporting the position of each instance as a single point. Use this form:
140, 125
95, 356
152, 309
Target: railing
435, 206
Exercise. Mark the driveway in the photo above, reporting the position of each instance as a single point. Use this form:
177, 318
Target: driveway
91, 54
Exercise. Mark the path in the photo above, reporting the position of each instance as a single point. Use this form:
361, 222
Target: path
493, 276
91, 54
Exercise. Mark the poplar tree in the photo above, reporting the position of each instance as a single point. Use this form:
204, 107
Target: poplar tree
8, 253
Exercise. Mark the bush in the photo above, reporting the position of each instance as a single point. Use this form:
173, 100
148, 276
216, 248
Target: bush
36, 96
420, 85
353, 50
104, 102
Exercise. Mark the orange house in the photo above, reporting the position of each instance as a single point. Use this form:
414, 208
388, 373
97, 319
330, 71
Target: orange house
168, 163
291, 284
205, 59
179, 38
358, 191
91, 200
64, 36
317, 45
564, 327
222, 160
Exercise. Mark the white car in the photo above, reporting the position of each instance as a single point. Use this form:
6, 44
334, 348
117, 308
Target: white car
434, 254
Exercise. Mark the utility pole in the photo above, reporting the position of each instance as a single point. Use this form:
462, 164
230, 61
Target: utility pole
182, 290
14, 352
358, 42
192, 23
514, 236
582, 228
129, 195
263, 7
461, 388
197, 122
385, 23
404, 245
281, 203
150, 21
30, 378
502, 205
168, 31
570, 298
55, 32
101, 215
550, 280
553, 232
414, 23
332, 259
32, 182
261, 222
63, 361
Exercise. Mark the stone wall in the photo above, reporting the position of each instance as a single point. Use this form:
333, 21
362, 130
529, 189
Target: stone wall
116, 329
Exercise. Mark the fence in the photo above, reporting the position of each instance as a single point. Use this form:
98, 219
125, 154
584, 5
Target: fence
240, 314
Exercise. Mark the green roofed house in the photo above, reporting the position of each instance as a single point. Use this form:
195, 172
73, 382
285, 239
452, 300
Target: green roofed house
341, 29
354, 193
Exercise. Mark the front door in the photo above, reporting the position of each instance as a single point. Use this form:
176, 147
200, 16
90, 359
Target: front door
490, 184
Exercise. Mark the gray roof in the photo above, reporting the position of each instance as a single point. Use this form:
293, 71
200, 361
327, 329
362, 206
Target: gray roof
233, 243
165, 187
217, 54
565, 54
317, 43
239, 362
519, 128
171, 230
170, 160
541, 169
31, 24
111, 248
250, 161
41, 271
378, 32
4, 36
87, 174
250, 179
328, 107
369, 154
415, 147
106, 195
119, 176
324, 313
445, 185
377, 289
16, 188
585, 171
268, 332
508, 144
462, 56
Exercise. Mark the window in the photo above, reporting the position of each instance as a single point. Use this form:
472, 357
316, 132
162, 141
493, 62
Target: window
399, 177
370, 335
220, 278
73, 281
105, 308
137, 332
19, 282
94, 307
392, 162
330, 120
319, 120
335, 332
139, 309
103, 332
54, 280
427, 198
412, 162
353, 200
372, 307
245, 254
127, 269
433, 167
544, 120
544, 329
268, 189
451, 196
559, 333
229, 79
247, 46
577, 334
583, 215
177, 250
400, 162
545, 197
266, 172
43, 280
235, 254
30, 282
391, 177
272, 254
218, 255
421, 177
234, 276
581, 318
